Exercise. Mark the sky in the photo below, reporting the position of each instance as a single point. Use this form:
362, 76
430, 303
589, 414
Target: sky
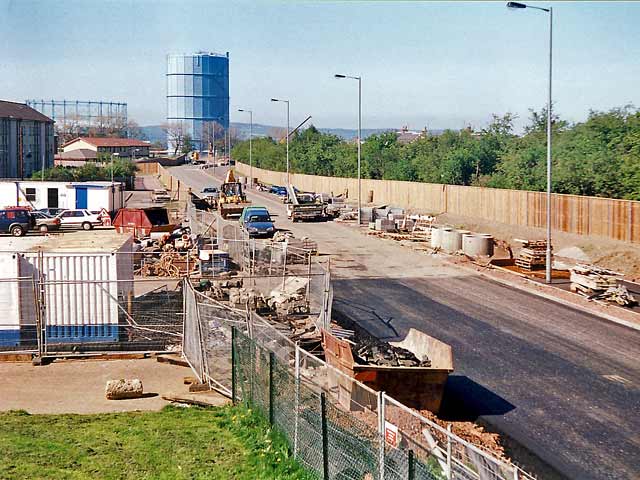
434, 64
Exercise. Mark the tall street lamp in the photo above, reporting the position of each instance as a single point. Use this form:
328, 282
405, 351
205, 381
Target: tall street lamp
113, 187
287, 102
359, 79
250, 112
549, 10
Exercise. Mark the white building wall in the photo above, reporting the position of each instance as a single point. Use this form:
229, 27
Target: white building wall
15, 194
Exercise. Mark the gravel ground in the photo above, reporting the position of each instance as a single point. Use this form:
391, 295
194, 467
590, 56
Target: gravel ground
77, 386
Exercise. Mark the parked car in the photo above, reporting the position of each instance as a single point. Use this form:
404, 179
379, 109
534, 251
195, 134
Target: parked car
16, 221
277, 190
52, 211
256, 221
80, 218
160, 195
45, 223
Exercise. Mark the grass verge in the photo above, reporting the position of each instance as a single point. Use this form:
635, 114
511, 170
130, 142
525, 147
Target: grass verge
175, 443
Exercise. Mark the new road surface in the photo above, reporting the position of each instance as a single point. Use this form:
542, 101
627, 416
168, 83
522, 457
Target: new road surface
562, 383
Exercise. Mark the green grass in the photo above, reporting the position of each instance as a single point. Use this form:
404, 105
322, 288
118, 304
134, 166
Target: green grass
175, 443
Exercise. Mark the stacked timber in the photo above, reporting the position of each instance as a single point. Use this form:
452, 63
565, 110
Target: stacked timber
598, 283
532, 256
589, 279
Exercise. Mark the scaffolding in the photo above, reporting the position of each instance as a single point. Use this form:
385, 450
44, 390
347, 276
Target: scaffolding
84, 117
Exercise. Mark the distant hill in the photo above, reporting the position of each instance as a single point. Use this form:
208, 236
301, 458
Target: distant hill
154, 133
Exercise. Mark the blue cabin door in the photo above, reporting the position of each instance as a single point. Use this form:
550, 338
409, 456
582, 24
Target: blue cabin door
81, 197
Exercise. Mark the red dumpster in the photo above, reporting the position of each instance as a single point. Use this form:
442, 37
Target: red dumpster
141, 222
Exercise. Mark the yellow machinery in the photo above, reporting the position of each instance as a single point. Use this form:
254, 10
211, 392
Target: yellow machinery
232, 199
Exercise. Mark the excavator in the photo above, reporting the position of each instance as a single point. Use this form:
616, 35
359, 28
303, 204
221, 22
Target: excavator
232, 199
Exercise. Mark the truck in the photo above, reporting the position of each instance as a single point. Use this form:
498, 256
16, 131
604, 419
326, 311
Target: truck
232, 199
303, 206
333, 205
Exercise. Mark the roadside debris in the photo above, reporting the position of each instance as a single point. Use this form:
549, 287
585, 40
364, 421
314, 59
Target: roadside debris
123, 389
377, 352
598, 283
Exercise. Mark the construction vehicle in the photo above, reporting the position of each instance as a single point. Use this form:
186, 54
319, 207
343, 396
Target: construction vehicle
232, 199
303, 206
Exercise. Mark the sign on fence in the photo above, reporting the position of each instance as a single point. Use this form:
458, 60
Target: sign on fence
391, 434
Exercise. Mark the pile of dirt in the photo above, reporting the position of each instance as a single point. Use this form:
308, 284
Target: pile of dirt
472, 433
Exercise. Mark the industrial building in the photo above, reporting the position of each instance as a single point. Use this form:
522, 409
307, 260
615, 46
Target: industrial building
26, 140
198, 94
106, 146
36, 194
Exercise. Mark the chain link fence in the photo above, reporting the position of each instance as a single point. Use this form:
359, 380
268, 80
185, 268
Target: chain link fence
47, 316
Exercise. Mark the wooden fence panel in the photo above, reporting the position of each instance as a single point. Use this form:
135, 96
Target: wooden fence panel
612, 218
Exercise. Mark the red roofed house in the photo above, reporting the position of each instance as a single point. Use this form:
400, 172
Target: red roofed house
124, 147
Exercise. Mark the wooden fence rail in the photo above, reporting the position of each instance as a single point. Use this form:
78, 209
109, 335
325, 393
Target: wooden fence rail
606, 217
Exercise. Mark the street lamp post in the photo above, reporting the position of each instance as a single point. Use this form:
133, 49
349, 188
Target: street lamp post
549, 10
113, 187
359, 79
287, 102
250, 112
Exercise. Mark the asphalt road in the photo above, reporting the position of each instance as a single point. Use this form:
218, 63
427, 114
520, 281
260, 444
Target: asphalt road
561, 383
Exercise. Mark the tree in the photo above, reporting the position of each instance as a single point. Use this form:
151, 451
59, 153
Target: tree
212, 134
187, 144
134, 130
175, 132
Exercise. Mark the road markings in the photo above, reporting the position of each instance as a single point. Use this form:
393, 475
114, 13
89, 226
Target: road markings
618, 379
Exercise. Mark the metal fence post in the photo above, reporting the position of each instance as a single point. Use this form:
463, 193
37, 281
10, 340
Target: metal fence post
449, 472
297, 403
411, 468
325, 437
252, 367
381, 417
284, 265
234, 374
271, 388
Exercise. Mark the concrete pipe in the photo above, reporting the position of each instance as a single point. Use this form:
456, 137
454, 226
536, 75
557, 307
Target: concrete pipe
450, 240
436, 236
477, 244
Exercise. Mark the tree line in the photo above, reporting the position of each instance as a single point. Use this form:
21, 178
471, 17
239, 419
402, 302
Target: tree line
123, 169
597, 157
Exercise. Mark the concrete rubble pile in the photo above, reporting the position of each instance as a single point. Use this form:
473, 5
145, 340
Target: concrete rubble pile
598, 283
290, 298
377, 352
305, 245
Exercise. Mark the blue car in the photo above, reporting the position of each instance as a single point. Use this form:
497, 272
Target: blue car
256, 221
277, 190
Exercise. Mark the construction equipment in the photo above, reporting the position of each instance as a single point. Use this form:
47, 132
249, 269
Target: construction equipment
232, 199
303, 206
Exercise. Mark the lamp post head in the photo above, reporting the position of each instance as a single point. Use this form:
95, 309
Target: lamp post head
516, 5
340, 76
275, 100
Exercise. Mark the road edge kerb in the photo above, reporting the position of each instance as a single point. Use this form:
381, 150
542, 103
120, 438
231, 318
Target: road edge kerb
537, 291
